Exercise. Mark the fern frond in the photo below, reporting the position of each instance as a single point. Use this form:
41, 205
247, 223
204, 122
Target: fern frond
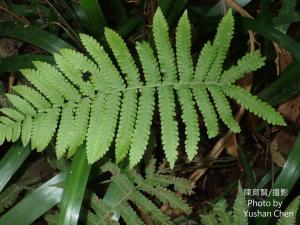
219, 209
207, 110
221, 44
94, 130
21, 104
126, 124
223, 108
189, 117
164, 50
150, 208
74, 75
16, 131
179, 184
56, 80
292, 208
43, 129
64, 130
32, 96
123, 57
12, 113
238, 215
37, 80
110, 73
149, 63
169, 128
108, 121
209, 219
26, 133
167, 197
183, 49
80, 125
2, 134
253, 104
129, 215
250, 62
205, 61
143, 126
85, 65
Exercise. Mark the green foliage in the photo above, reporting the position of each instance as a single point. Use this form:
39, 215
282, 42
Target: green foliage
134, 189
219, 214
87, 99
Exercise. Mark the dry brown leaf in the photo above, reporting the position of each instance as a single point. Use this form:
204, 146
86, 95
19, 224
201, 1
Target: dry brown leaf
291, 109
276, 156
231, 146
283, 59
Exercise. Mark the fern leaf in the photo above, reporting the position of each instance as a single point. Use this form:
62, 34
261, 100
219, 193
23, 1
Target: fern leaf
8, 132
180, 185
169, 128
74, 75
80, 125
163, 46
85, 65
253, 104
292, 208
5, 120
110, 73
44, 127
149, 63
250, 62
22, 105
129, 215
239, 206
205, 61
27, 126
16, 131
64, 130
221, 43
39, 82
223, 108
167, 197
220, 211
207, 110
126, 124
93, 139
55, 79
13, 114
183, 49
32, 96
123, 57
209, 219
108, 121
149, 208
2, 134
189, 117
143, 126
150, 168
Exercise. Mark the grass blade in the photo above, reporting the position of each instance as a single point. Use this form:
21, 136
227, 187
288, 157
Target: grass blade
36, 203
286, 179
28, 33
74, 188
17, 62
11, 162
94, 15
272, 34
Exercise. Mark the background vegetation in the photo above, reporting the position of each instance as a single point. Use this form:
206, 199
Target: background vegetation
36, 188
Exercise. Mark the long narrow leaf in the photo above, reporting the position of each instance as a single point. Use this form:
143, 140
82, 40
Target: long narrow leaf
33, 35
74, 188
272, 34
36, 203
18, 62
94, 15
12, 160
286, 179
